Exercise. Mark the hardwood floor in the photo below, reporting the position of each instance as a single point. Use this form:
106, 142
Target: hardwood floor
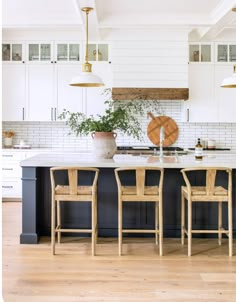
31, 273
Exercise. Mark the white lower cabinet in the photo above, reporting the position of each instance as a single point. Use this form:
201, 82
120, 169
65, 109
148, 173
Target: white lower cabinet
12, 172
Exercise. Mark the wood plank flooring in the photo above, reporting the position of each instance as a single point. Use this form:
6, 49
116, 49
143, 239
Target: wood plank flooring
31, 273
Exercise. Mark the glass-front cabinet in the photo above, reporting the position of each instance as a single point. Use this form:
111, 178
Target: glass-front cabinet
12, 52
98, 52
68, 52
226, 52
39, 52
200, 52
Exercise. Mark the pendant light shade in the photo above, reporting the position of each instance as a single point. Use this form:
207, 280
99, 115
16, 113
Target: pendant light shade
230, 82
87, 78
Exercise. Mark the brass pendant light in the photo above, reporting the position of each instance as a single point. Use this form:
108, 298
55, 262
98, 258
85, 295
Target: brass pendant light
87, 78
230, 82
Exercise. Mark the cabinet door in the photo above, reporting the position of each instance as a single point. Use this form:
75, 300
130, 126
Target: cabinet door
202, 106
41, 92
68, 97
94, 99
226, 97
40, 52
13, 92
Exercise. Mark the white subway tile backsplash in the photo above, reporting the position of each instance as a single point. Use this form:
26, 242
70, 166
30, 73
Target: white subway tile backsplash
55, 135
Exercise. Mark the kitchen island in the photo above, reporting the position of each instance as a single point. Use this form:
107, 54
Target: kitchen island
37, 193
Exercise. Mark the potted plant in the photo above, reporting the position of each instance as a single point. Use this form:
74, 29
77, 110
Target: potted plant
119, 116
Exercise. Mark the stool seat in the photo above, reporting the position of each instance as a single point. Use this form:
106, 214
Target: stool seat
203, 191
148, 190
65, 190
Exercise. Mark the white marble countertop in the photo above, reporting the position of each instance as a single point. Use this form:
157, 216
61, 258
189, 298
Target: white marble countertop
226, 159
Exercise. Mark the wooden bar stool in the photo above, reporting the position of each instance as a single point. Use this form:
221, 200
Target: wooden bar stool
141, 193
208, 193
74, 193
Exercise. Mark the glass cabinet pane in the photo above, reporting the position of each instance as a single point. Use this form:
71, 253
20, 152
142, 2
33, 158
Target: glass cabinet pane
33, 52
205, 53
222, 54
232, 53
102, 54
194, 53
16, 52
6, 52
92, 52
45, 52
62, 52
74, 52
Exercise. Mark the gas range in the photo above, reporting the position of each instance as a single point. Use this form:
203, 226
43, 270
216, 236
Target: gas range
150, 150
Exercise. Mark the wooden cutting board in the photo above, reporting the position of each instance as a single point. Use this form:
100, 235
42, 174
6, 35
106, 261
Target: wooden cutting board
170, 127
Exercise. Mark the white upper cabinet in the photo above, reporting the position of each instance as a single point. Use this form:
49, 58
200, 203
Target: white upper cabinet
14, 92
41, 93
202, 106
41, 85
40, 52
225, 97
13, 52
94, 97
225, 52
67, 52
68, 97
200, 52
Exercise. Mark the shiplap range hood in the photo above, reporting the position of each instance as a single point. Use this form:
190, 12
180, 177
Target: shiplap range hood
119, 94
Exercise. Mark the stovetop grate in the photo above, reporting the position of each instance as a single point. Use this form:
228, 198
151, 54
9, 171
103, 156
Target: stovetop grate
143, 148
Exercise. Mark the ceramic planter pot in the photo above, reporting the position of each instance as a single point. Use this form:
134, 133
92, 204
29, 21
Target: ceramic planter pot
104, 144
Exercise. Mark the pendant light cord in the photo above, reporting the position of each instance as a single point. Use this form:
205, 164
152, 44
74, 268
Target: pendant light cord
86, 52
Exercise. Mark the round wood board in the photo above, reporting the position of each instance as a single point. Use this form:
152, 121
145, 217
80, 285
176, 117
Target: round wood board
170, 127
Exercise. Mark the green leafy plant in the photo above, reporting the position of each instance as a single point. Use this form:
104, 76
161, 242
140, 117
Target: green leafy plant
121, 116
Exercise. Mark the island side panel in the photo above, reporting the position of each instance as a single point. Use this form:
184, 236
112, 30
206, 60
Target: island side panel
30, 230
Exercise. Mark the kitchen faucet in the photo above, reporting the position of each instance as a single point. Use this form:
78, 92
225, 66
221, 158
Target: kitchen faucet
162, 137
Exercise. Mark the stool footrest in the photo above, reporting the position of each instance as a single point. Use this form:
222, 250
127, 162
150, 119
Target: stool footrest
223, 231
73, 230
140, 231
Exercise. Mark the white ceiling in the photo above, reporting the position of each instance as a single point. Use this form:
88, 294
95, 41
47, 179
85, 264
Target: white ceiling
206, 18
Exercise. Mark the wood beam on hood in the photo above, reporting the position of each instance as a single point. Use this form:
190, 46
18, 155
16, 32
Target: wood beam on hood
119, 94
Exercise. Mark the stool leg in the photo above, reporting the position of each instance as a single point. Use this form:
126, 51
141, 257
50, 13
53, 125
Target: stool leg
189, 226
59, 221
219, 222
156, 221
53, 226
96, 221
182, 217
120, 225
230, 227
160, 227
93, 224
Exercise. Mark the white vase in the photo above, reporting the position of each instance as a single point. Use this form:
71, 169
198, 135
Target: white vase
104, 144
7, 142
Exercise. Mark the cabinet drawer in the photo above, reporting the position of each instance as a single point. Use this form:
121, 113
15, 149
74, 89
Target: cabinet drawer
12, 189
11, 170
9, 156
